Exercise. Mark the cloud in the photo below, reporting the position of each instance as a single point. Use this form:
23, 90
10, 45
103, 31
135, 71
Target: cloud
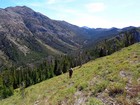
35, 4
45, 3
51, 1
95, 7
95, 21
90, 20
58, 1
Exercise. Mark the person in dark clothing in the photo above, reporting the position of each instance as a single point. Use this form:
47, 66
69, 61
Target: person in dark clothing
70, 72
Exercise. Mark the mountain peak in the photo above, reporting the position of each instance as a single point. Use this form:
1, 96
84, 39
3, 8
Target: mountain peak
23, 10
18, 7
86, 27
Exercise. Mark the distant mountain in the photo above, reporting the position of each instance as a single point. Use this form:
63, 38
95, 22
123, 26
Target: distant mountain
27, 36
116, 43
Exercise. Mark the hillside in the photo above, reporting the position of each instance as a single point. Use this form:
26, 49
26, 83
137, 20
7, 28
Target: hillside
113, 79
28, 36
111, 45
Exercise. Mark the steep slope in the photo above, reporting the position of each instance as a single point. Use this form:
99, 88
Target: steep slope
113, 79
43, 28
16, 40
26, 34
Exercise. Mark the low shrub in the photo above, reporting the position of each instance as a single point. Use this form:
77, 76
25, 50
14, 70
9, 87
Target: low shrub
99, 87
115, 89
94, 101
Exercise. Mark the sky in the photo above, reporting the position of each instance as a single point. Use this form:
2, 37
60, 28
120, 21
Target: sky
90, 13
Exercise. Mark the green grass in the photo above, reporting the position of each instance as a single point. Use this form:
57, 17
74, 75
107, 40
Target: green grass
92, 78
94, 101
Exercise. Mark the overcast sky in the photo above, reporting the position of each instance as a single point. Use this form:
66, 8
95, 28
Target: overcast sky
91, 13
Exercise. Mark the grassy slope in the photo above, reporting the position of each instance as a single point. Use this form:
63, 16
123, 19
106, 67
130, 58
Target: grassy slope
102, 79
49, 48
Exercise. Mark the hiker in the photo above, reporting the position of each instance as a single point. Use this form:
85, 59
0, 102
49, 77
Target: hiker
70, 72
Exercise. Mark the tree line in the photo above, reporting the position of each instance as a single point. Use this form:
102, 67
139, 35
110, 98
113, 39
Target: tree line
12, 78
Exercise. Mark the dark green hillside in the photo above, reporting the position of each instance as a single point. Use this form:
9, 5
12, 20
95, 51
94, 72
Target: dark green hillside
111, 45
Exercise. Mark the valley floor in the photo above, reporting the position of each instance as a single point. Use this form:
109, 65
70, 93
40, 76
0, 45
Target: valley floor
110, 80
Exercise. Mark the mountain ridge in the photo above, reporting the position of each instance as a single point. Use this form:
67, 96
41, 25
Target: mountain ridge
26, 34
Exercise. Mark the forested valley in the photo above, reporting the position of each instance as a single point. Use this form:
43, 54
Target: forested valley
21, 77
